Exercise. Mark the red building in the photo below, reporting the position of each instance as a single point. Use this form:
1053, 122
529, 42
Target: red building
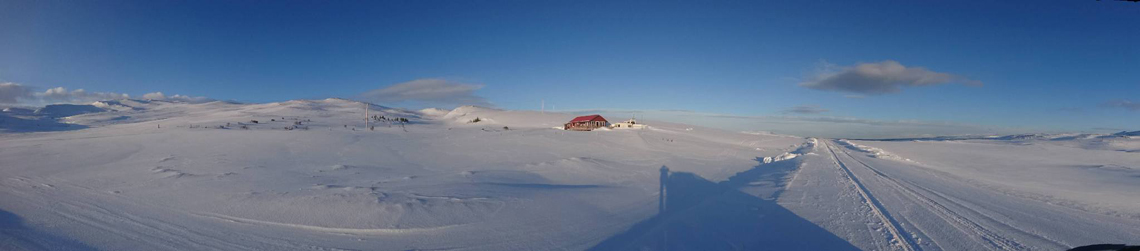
586, 123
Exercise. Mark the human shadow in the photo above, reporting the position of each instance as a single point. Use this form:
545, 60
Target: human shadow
15, 235
698, 214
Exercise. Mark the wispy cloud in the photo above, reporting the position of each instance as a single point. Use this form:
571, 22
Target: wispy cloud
879, 78
843, 120
805, 109
1123, 104
176, 97
618, 111
1071, 110
1111, 129
430, 91
11, 93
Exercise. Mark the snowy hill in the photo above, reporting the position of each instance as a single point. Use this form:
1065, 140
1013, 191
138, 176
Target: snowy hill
1122, 141
66, 110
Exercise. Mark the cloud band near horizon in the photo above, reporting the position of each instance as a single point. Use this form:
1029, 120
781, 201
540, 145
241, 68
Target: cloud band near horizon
432, 91
14, 93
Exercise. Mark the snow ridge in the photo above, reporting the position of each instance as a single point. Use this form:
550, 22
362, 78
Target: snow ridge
874, 152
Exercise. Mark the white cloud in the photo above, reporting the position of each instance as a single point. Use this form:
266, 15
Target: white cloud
11, 93
60, 94
879, 78
176, 97
806, 109
154, 95
17, 93
190, 99
433, 91
1125, 104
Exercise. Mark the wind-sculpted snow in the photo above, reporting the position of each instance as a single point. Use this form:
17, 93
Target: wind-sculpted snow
309, 174
781, 157
312, 175
871, 151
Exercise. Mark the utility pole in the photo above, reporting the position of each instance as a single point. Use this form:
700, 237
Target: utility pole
367, 120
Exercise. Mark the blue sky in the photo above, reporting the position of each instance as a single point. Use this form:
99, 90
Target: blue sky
1047, 66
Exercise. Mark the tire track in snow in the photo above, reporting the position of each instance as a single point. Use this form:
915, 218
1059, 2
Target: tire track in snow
898, 237
988, 217
153, 232
971, 208
72, 213
959, 222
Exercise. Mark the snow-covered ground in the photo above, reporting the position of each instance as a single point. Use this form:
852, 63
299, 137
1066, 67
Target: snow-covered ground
309, 175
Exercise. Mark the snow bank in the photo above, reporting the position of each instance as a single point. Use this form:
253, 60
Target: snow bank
874, 152
434, 112
806, 148
113, 105
781, 157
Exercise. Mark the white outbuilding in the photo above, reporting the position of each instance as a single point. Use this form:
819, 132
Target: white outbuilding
628, 124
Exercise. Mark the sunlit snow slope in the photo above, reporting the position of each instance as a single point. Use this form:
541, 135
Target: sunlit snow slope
308, 175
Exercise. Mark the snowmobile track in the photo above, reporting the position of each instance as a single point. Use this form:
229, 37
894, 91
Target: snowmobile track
899, 238
964, 224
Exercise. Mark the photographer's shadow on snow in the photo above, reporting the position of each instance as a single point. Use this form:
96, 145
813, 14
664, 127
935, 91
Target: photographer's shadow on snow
698, 214
15, 235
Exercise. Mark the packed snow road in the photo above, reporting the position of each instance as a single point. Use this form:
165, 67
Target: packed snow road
890, 202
